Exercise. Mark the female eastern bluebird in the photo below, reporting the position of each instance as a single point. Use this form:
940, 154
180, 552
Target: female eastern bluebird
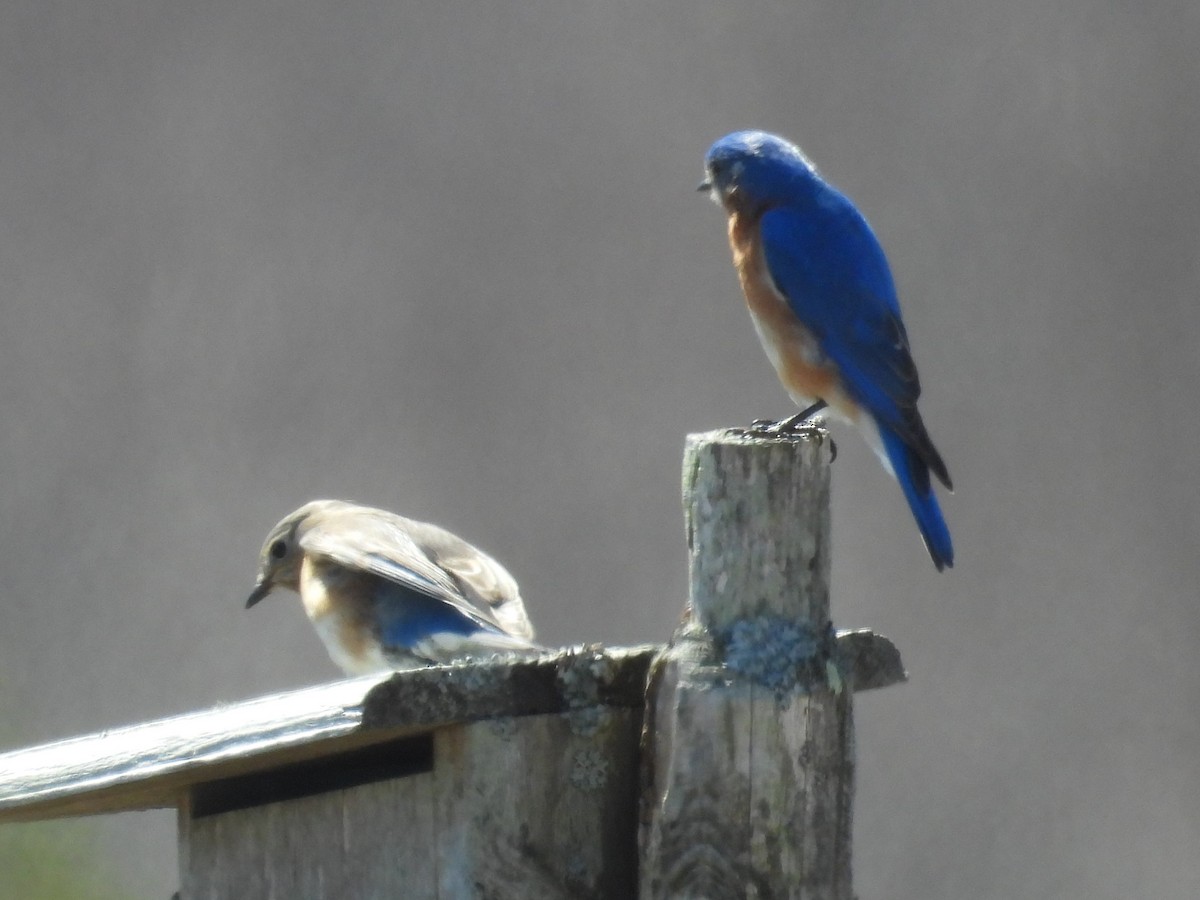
386, 592
822, 300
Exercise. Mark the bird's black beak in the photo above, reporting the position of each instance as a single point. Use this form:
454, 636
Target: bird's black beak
705, 185
260, 590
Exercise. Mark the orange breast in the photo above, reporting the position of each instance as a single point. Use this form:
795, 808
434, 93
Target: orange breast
337, 603
793, 350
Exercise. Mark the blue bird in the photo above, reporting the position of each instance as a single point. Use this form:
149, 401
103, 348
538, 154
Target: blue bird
385, 592
821, 297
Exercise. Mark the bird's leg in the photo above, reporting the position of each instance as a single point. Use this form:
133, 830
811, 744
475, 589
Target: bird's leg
784, 426
801, 417
791, 424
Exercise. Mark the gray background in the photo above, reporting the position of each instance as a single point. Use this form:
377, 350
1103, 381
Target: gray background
447, 258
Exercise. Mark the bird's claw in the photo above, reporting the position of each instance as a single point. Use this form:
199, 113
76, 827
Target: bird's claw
790, 425
806, 419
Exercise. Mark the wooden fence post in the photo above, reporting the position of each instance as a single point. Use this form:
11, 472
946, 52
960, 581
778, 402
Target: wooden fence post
748, 757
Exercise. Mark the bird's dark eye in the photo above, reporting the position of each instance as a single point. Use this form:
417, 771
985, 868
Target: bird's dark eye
278, 549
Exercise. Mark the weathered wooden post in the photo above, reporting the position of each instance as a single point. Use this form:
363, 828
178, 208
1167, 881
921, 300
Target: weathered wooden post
748, 761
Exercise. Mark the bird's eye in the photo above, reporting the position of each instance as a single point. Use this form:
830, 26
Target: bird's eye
278, 550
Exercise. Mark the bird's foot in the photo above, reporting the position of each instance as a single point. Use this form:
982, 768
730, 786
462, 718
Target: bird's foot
790, 425
762, 425
806, 418
780, 427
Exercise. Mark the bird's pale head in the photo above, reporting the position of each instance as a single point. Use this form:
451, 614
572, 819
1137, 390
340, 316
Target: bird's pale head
751, 169
280, 557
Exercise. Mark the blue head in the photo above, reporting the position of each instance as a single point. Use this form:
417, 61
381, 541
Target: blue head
750, 169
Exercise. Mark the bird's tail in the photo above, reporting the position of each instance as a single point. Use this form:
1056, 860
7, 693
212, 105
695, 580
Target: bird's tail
912, 471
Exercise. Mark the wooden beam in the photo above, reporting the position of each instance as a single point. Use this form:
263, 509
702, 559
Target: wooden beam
536, 806
155, 764
748, 748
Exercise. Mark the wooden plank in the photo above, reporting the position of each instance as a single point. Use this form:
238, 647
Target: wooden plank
535, 806
546, 809
154, 764
748, 747
146, 766
374, 840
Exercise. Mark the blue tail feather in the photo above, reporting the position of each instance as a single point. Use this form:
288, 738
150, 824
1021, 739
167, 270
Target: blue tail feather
913, 475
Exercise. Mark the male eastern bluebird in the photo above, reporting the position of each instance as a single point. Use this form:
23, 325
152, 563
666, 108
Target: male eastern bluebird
821, 296
385, 592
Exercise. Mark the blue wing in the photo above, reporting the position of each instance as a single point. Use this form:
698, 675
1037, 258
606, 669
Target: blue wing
406, 617
826, 262
828, 265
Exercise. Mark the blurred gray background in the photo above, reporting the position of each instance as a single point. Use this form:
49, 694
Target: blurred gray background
447, 258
